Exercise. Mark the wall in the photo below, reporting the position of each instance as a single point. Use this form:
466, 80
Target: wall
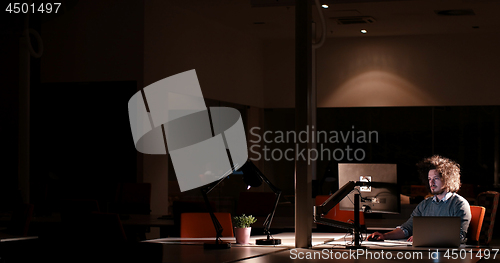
279, 74
147, 42
229, 66
87, 43
392, 71
95, 41
228, 63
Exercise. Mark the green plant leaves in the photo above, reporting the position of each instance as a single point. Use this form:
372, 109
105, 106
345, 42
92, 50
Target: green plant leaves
243, 221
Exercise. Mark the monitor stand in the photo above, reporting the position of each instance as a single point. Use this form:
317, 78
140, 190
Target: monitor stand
357, 226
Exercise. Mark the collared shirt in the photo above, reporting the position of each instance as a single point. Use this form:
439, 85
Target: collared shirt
451, 205
445, 198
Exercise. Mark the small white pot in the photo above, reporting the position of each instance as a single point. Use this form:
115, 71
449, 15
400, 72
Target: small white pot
242, 235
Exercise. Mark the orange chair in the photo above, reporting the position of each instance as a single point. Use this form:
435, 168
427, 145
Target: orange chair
476, 223
488, 200
340, 215
197, 225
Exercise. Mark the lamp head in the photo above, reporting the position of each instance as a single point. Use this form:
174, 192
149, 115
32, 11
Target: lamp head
251, 174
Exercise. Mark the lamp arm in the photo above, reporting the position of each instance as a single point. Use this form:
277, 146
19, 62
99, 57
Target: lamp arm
212, 185
217, 225
330, 203
269, 219
333, 200
275, 189
335, 223
277, 192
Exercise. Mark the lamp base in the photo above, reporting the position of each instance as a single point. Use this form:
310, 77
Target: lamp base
216, 245
268, 242
355, 247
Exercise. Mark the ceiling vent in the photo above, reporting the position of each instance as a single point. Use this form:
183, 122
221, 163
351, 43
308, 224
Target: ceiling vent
354, 20
455, 12
271, 3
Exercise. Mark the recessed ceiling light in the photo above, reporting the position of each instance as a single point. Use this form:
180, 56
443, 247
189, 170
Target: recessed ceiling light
324, 6
364, 31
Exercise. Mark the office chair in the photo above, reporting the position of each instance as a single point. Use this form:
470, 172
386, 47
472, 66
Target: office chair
489, 200
198, 225
475, 225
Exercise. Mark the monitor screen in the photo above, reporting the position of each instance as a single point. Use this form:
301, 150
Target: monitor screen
381, 197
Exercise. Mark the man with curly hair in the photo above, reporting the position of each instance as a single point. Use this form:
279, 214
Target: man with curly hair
443, 176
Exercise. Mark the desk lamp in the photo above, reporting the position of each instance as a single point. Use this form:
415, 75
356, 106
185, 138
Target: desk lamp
252, 177
218, 243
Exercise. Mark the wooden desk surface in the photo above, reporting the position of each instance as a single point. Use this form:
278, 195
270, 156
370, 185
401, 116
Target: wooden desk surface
191, 250
287, 239
8, 238
177, 253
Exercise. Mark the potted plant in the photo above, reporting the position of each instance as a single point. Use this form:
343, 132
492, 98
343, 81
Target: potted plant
242, 228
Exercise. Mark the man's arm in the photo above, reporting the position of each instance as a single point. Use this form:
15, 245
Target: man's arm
463, 211
398, 233
394, 234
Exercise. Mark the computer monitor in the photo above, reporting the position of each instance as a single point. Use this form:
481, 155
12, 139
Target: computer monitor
381, 197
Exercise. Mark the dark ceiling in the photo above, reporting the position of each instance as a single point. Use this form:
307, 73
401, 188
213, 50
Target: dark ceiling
268, 19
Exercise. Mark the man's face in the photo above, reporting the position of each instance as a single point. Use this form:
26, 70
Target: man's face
435, 182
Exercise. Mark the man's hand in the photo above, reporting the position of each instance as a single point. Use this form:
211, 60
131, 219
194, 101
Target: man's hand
410, 239
376, 236
394, 234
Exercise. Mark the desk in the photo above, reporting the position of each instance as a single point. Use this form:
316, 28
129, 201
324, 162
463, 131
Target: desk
9, 238
287, 240
191, 250
6, 237
176, 253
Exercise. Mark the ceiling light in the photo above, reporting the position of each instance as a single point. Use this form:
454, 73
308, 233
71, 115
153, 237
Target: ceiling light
324, 6
364, 31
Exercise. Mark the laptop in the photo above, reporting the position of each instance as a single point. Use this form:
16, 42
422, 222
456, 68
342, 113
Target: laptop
436, 231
